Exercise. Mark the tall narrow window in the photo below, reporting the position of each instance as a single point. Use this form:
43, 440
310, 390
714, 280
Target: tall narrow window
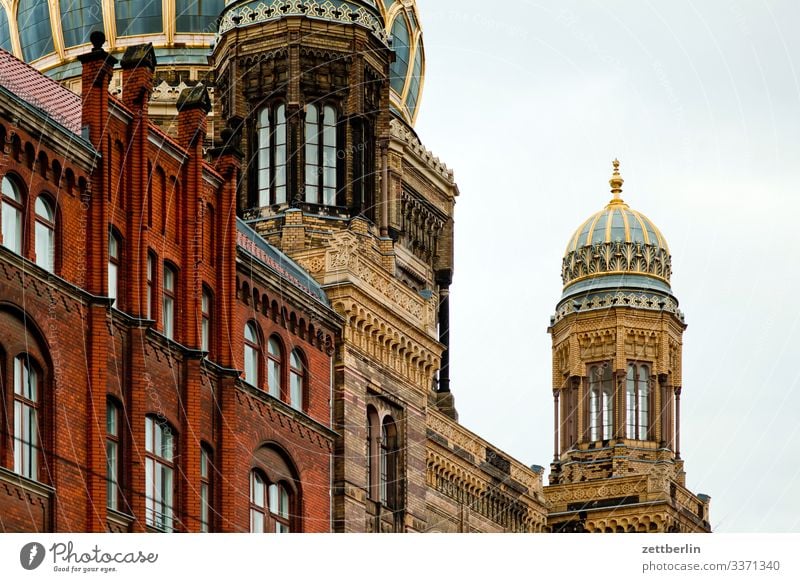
321, 155
112, 455
373, 431
205, 490
637, 392
274, 367
45, 233
11, 210
205, 323
279, 507
252, 354
272, 155
151, 272
388, 477
168, 302
113, 265
258, 503
296, 378
159, 470
26, 421
601, 403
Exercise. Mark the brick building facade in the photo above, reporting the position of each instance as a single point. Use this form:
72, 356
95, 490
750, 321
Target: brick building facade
228, 306
129, 288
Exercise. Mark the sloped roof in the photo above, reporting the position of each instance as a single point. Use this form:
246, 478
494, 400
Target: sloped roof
58, 103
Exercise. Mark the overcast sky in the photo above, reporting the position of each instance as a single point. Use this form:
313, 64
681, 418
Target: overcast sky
529, 101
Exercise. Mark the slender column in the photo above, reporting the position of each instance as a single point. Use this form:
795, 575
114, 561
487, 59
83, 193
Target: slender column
678, 423
556, 424
384, 189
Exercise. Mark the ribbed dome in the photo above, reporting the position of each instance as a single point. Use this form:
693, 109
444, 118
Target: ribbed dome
50, 35
617, 248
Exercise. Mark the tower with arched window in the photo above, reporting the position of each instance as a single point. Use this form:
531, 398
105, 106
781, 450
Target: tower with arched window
617, 341
323, 101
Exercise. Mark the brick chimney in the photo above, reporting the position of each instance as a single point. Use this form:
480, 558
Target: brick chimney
98, 67
138, 66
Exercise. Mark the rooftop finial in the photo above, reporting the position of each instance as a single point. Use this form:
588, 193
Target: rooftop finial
616, 183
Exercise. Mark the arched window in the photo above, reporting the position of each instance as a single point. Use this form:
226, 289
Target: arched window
112, 454
11, 210
279, 507
296, 380
252, 354
259, 508
159, 471
274, 357
206, 304
321, 155
114, 250
637, 393
271, 135
45, 233
26, 418
168, 301
389, 473
601, 403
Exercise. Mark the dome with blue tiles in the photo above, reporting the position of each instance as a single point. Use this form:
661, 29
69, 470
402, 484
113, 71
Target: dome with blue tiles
617, 248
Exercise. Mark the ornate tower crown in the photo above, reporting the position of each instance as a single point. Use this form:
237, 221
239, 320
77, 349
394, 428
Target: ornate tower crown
616, 248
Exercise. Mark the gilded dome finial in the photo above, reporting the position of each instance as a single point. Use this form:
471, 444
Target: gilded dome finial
616, 183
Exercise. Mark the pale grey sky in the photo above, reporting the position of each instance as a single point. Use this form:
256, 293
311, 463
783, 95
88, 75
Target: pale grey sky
529, 101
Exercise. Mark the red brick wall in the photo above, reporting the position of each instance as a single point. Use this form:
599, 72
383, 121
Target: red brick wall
90, 351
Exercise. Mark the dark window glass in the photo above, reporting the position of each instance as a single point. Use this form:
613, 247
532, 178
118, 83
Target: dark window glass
112, 455
138, 17
35, 35
5, 35
79, 18
197, 15
416, 79
402, 49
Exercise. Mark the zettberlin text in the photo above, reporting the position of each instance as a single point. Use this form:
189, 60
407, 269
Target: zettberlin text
665, 549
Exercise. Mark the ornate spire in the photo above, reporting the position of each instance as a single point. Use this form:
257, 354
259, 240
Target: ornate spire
616, 183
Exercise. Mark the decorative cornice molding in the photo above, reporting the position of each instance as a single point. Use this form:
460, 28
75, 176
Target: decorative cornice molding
269, 10
619, 257
425, 156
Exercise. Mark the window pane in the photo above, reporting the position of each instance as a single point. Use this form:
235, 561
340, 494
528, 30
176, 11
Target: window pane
44, 246
35, 33
79, 18
256, 521
111, 474
18, 437
148, 434
166, 497
296, 389
12, 227
112, 281
150, 492
197, 15
138, 17
168, 316
274, 378
111, 419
